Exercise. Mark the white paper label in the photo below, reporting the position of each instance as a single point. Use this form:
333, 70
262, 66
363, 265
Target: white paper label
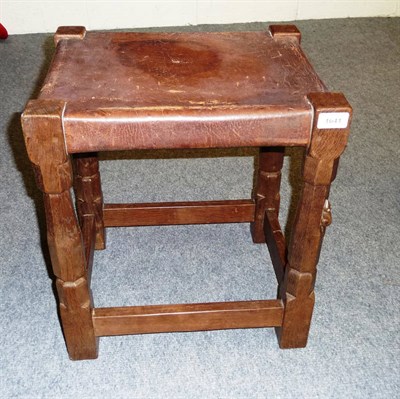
333, 120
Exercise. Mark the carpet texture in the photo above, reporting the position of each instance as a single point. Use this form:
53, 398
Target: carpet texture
353, 349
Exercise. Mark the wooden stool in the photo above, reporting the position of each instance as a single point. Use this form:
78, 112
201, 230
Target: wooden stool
124, 91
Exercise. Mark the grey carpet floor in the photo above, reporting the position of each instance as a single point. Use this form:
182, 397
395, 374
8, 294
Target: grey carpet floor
353, 350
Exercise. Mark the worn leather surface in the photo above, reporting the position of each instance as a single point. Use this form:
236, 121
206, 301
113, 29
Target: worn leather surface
166, 90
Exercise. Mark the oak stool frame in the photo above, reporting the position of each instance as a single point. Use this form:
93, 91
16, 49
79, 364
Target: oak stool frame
63, 134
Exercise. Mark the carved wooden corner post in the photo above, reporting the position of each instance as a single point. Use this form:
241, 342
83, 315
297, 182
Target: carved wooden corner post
332, 114
44, 139
69, 33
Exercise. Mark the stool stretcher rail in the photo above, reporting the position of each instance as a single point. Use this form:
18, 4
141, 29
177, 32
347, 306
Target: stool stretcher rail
170, 213
187, 317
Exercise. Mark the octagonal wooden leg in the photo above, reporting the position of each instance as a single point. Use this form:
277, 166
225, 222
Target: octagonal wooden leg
44, 138
329, 137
